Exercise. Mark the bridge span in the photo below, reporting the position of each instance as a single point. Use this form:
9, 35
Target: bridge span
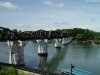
17, 41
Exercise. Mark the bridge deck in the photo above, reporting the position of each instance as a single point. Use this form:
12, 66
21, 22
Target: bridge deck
7, 34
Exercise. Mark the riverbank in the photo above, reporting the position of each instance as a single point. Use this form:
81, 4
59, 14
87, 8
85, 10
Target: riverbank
86, 42
23, 72
10, 69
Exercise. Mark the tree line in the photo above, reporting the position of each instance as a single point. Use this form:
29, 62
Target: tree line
80, 34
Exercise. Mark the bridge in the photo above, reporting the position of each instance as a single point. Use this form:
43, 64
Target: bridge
17, 41
7, 34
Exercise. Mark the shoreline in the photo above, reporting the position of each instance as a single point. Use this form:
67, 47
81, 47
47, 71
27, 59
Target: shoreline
86, 42
23, 72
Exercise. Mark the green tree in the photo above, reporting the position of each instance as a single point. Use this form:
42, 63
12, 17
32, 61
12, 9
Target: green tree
15, 30
88, 35
97, 38
79, 37
9, 71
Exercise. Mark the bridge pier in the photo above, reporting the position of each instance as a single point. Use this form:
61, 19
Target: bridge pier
16, 52
64, 41
69, 39
57, 43
42, 47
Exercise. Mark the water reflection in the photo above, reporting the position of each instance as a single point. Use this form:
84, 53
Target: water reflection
83, 51
51, 65
90, 52
42, 62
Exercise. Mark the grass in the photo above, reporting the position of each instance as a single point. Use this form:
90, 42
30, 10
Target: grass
5, 70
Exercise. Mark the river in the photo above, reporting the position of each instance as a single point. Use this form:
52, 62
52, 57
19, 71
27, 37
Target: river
86, 57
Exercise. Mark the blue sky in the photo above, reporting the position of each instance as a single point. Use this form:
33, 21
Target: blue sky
50, 14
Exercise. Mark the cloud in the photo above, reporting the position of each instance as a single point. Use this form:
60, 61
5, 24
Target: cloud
48, 2
94, 1
58, 5
8, 5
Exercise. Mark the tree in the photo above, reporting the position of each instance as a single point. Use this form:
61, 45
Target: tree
88, 35
15, 30
9, 71
97, 38
79, 37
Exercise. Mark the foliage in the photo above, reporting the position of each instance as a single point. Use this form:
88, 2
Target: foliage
8, 71
80, 34
97, 38
15, 30
79, 37
87, 35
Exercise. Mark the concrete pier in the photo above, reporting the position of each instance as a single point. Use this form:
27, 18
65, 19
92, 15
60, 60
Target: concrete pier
64, 41
57, 43
16, 56
42, 47
69, 39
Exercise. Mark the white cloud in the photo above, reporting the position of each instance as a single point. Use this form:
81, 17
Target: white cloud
48, 3
8, 5
94, 1
58, 5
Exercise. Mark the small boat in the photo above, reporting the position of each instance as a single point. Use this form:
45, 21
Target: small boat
75, 71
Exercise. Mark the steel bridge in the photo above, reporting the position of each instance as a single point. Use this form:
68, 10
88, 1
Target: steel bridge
7, 34
17, 41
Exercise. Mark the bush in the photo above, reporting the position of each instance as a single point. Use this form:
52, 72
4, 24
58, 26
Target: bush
9, 71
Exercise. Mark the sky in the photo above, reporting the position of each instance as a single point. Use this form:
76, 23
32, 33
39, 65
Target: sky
50, 14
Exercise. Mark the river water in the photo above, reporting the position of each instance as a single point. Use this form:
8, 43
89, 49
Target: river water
82, 56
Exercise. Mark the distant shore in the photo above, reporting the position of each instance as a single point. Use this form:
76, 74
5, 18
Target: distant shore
86, 42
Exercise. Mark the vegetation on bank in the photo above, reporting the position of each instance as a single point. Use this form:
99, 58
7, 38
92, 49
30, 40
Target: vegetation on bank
5, 70
82, 35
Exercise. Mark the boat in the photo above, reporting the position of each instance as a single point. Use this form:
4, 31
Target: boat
75, 71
